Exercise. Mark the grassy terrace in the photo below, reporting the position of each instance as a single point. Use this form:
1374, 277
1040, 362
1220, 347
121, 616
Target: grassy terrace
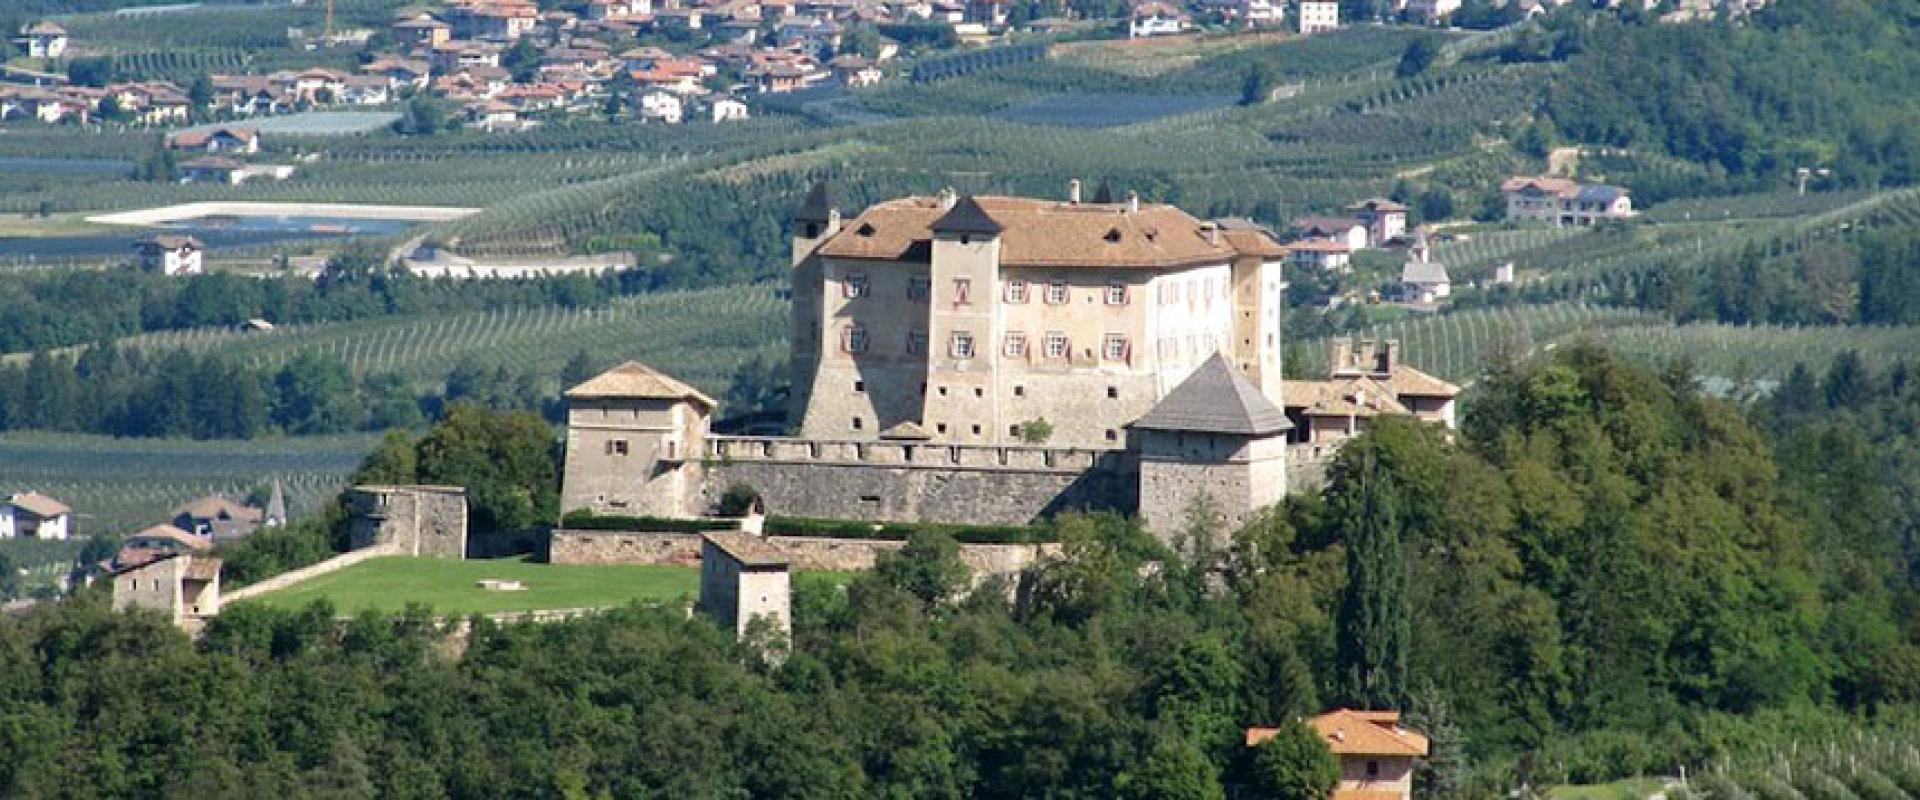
450, 587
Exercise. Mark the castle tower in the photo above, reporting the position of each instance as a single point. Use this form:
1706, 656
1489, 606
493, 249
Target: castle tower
962, 322
635, 440
814, 222
1259, 293
1215, 436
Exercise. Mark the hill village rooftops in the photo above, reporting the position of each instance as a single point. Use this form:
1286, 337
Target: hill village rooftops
1216, 398
636, 380
1046, 233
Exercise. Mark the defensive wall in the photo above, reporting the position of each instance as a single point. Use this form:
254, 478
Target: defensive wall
805, 553
904, 481
311, 571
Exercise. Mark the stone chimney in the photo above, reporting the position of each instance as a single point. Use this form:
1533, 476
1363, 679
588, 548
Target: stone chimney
1133, 202
1073, 191
947, 198
1340, 355
1210, 230
1389, 356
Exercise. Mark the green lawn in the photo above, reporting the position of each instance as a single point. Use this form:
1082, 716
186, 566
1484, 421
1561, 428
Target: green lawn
450, 587
1629, 789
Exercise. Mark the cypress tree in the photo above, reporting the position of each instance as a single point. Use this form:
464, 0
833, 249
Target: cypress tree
1373, 633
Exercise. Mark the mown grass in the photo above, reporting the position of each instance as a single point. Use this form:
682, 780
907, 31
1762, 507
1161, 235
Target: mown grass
1628, 789
451, 587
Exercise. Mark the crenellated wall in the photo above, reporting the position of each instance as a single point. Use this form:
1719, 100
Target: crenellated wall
895, 481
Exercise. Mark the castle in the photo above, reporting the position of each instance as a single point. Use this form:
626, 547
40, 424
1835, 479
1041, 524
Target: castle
991, 359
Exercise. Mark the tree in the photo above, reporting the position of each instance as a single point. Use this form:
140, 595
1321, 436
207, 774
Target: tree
505, 459
423, 116
1172, 769
200, 94
928, 567
1036, 431
1435, 204
314, 394
1367, 506
1259, 84
1293, 765
1417, 57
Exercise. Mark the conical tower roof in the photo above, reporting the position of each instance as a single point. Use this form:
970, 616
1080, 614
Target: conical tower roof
1216, 398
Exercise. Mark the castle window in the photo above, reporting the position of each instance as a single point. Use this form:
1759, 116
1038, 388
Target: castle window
858, 424
1115, 347
853, 338
1019, 391
1373, 768
1056, 344
916, 344
1017, 292
1113, 236
1113, 435
976, 430
617, 447
919, 288
979, 392
859, 386
1057, 293
1013, 430
962, 291
962, 346
1116, 294
1113, 393
813, 230
941, 428
866, 229
943, 391
855, 286
1016, 345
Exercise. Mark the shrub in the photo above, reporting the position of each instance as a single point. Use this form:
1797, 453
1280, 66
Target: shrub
585, 520
900, 531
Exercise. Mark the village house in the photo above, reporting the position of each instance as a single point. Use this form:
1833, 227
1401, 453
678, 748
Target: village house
248, 95
1424, 281
854, 71
661, 105
365, 90
1349, 231
1384, 219
727, 109
158, 541
30, 515
1367, 379
1157, 19
212, 169
1328, 255
239, 139
493, 115
969, 317
1430, 12
400, 73
45, 105
151, 103
1319, 16
1376, 753
171, 254
500, 22
1563, 202
422, 32
220, 519
44, 40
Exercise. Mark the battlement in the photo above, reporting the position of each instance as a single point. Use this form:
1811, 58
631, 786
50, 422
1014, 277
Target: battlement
999, 458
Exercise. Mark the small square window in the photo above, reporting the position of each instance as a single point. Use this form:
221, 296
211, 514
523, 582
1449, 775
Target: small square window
1057, 345
1113, 392
1016, 345
962, 291
942, 428
916, 342
1016, 292
962, 345
1116, 294
856, 286
1373, 768
617, 447
859, 386
1019, 391
976, 430
858, 423
1113, 435
919, 288
979, 392
1057, 293
1115, 347
1013, 430
943, 391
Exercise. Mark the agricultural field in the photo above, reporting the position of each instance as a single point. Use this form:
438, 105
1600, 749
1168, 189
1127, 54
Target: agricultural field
1459, 347
390, 584
1881, 761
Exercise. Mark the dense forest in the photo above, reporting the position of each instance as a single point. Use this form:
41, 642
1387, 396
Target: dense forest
1606, 573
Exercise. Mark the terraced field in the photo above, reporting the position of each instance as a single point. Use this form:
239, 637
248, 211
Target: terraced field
1459, 347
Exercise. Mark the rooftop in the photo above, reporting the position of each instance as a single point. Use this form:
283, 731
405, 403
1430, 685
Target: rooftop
637, 381
747, 549
39, 504
1216, 398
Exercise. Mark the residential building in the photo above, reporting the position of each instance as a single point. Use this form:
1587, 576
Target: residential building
239, 139
1424, 281
967, 317
1365, 380
171, 254
1385, 219
1331, 255
1431, 12
212, 169
1319, 16
854, 71
30, 515
44, 40
220, 519
727, 109
1157, 19
158, 541
661, 105
1376, 753
422, 32
1563, 202
1349, 231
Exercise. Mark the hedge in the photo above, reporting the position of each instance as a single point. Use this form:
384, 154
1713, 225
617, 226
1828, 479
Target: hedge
585, 520
899, 531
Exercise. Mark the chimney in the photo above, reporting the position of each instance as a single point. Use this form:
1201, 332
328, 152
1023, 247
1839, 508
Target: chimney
1073, 191
1133, 202
1389, 355
947, 198
1211, 230
1340, 357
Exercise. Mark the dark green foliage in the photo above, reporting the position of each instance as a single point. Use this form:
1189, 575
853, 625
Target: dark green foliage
1419, 55
1294, 765
585, 520
271, 551
505, 459
738, 500
928, 567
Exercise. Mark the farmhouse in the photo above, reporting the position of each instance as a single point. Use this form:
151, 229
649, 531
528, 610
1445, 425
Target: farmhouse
1350, 231
223, 139
34, 516
1332, 255
1319, 16
1564, 203
171, 254
1364, 382
1157, 19
221, 519
1385, 219
1376, 753
44, 40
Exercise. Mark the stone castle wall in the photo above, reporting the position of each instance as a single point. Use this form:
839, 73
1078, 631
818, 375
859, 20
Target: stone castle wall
919, 482
806, 553
414, 520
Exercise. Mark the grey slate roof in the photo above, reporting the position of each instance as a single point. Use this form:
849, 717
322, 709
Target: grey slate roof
746, 549
818, 206
1424, 272
1590, 193
967, 216
1216, 398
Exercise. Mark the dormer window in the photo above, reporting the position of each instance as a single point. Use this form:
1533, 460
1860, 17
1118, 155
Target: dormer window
1113, 236
856, 286
865, 229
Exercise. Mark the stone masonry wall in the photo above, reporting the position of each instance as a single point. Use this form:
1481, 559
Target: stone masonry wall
806, 553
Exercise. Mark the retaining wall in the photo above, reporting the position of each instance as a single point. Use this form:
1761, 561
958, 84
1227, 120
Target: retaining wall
286, 579
807, 553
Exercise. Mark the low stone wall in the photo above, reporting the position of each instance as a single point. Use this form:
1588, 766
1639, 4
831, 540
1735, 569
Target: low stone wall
924, 493
1307, 467
309, 572
807, 553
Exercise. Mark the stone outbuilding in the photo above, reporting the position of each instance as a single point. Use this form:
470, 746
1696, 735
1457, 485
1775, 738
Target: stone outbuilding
410, 520
183, 586
635, 437
743, 577
1214, 436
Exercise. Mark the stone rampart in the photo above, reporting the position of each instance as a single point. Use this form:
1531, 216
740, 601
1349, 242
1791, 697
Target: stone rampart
311, 571
919, 482
806, 553
1307, 467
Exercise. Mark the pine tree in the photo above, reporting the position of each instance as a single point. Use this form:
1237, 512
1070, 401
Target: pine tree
1373, 631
